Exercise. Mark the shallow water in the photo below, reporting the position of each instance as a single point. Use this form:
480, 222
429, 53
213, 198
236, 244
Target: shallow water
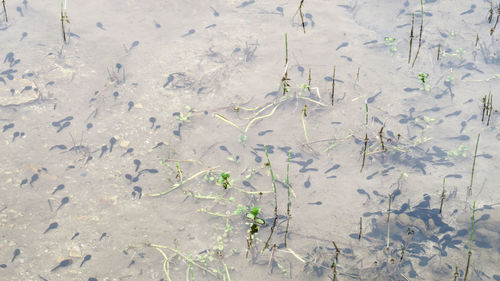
145, 96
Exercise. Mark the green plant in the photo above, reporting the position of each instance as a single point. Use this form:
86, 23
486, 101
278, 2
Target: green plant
224, 180
255, 221
185, 118
5, 11
460, 151
423, 79
390, 42
470, 241
64, 19
253, 216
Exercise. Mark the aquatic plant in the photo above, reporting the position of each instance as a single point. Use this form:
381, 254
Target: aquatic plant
64, 19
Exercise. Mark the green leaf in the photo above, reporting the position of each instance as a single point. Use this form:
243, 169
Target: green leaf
255, 211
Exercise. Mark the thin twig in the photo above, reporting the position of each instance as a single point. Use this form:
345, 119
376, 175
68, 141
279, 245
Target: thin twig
474, 163
421, 30
179, 184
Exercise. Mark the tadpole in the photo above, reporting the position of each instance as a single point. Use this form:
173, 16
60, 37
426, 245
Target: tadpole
112, 142
64, 263
137, 164
64, 201
152, 120
129, 150
58, 188
34, 178
85, 259
104, 148
53, 225
16, 253
130, 105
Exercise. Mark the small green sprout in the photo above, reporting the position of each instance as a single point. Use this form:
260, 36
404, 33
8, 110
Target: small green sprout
390, 42
185, 118
242, 139
423, 78
234, 159
224, 180
461, 151
450, 80
253, 216
240, 209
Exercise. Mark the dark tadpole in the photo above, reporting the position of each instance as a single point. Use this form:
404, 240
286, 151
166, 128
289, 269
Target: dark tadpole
64, 263
8, 126
104, 234
470, 11
456, 113
129, 177
261, 133
75, 235
129, 151
112, 142
53, 225
138, 189
58, 188
190, 32
16, 253
152, 120
3, 265
372, 98
463, 124
334, 167
20, 10
23, 182
158, 145
151, 171
224, 148
280, 10
89, 126
133, 45
215, 13
64, 201
15, 135
248, 184
258, 159
130, 105
137, 164
169, 80
9, 57
315, 203
178, 131
300, 68
307, 183
345, 44
100, 25
363, 192
85, 259
246, 3
64, 125
116, 94
460, 138
104, 148
34, 178
58, 146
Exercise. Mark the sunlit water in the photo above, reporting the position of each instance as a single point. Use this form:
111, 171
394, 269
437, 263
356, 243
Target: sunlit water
114, 141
